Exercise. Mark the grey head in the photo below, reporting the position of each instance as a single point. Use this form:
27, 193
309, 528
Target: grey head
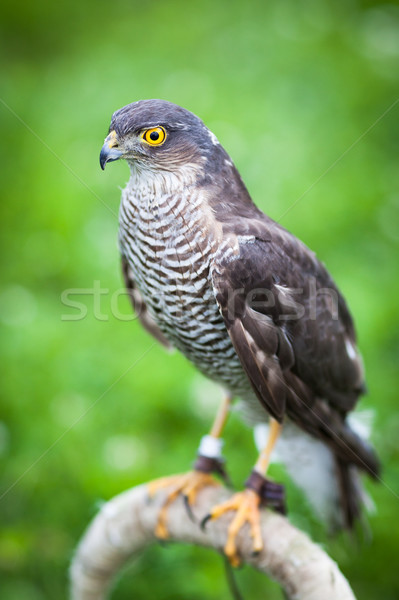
160, 135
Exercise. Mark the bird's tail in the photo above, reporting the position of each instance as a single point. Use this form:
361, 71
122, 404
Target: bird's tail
353, 497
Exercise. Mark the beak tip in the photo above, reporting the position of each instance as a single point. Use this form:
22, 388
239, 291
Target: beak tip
108, 155
103, 158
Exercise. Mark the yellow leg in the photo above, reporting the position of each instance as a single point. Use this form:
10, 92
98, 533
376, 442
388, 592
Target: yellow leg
246, 504
262, 464
221, 417
187, 484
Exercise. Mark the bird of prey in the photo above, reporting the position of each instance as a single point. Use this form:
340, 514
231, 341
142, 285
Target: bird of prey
249, 305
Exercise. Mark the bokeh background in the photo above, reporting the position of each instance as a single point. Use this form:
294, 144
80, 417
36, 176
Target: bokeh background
301, 94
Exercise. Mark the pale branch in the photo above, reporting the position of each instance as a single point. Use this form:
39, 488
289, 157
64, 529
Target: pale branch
125, 526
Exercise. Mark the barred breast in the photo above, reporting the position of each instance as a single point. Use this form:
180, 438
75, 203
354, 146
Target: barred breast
170, 253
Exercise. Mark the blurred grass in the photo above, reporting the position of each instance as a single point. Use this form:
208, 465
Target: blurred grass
288, 88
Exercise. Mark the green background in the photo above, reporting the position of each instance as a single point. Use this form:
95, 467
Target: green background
299, 94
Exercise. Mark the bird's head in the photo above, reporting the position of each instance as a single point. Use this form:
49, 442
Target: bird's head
157, 135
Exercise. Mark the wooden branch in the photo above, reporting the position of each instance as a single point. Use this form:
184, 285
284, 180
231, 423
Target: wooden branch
125, 526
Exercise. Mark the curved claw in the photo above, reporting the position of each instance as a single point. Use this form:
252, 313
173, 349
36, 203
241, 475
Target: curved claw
187, 506
247, 507
205, 520
188, 485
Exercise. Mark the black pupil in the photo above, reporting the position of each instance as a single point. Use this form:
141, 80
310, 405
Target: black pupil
154, 135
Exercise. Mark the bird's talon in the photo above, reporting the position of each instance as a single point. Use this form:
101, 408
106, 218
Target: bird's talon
161, 532
246, 505
205, 520
234, 560
188, 508
188, 485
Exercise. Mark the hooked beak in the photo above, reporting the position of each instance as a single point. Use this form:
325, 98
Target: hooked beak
110, 151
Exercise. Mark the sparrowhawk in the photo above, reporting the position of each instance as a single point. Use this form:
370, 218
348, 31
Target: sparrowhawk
248, 304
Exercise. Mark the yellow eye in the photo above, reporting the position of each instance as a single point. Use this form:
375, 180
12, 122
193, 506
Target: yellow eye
155, 136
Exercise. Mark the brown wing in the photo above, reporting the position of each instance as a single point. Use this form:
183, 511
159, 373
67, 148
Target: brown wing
285, 315
294, 352
140, 307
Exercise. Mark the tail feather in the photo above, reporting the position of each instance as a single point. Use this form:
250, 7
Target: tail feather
350, 448
351, 493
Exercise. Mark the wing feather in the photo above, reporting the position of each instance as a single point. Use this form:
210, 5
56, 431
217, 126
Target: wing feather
263, 371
